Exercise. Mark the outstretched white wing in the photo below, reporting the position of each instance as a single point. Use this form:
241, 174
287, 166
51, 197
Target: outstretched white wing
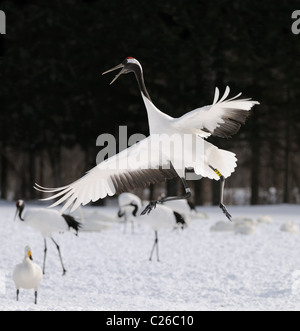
137, 166
223, 118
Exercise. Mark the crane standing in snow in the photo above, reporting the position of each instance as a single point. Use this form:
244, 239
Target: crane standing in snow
161, 218
47, 221
122, 172
125, 208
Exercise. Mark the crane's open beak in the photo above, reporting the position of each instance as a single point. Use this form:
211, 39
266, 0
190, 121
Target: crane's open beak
120, 66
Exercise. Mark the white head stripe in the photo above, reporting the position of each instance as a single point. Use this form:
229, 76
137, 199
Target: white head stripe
135, 62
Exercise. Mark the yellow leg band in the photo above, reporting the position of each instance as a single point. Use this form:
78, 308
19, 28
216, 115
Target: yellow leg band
218, 172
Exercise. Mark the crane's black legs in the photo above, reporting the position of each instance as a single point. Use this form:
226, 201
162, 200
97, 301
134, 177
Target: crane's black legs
125, 223
222, 184
121, 214
155, 245
61, 261
132, 227
153, 203
35, 296
45, 252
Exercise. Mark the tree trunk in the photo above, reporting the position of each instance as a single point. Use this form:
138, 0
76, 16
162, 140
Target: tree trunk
287, 152
41, 173
172, 187
151, 192
198, 192
255, 163
215, 192
54, 155
4, 173
32, 170
24, 182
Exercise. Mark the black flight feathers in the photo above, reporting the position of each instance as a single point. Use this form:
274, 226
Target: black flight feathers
179, 219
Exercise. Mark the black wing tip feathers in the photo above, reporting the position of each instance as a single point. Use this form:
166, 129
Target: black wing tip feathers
72, 223
179, 219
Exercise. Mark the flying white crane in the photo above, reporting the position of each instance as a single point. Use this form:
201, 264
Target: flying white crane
133, 167
47, 221
27, 275
161, 218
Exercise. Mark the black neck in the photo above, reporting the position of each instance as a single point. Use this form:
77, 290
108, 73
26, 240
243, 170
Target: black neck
140, 79
135, 209
20, 209
120, 213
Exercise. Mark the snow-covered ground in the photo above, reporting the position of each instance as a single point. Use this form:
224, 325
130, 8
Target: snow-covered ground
199, 269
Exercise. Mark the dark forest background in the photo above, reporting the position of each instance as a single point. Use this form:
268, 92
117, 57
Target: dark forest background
55, 103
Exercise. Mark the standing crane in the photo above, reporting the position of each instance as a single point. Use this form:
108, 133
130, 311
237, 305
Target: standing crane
161, 218
133, 168
47, 221
125, 209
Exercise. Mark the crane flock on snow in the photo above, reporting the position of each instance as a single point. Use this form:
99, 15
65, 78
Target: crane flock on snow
156, 163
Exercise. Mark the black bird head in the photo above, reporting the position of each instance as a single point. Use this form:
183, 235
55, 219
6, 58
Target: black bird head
130, 64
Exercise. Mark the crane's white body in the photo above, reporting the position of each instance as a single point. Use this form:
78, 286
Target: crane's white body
182, 207
162, 217
27, 275
194, 152
150, 161
126, 198
124, 201
46, 221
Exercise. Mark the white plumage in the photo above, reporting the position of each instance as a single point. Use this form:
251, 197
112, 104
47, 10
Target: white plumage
148, 162
125, 200
184, 207
162, 217
47, 222
27, 275
290, 227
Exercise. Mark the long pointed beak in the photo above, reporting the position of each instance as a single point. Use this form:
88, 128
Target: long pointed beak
115, 68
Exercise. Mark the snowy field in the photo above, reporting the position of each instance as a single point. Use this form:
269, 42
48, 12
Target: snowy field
199, 269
